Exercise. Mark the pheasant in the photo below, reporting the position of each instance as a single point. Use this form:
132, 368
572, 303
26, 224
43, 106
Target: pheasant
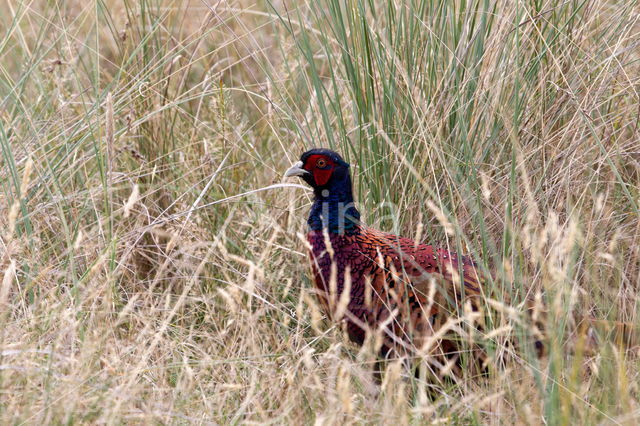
379, 282
405, 292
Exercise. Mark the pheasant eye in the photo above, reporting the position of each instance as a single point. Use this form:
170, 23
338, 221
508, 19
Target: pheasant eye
321, 162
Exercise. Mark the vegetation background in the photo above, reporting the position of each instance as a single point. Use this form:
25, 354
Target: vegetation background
149, 273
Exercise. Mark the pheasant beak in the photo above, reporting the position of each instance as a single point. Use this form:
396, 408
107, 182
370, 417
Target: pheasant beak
296, 170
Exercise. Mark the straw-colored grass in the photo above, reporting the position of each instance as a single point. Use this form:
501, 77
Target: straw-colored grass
151, 274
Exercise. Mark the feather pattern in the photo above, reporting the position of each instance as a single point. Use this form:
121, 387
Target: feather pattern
396, 285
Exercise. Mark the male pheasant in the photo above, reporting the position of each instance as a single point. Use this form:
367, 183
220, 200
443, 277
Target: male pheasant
408, 293
403, 290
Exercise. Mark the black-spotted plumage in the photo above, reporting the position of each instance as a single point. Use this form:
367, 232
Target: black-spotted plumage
411, 286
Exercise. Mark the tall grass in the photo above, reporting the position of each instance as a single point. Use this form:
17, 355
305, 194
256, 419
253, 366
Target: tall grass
150, 274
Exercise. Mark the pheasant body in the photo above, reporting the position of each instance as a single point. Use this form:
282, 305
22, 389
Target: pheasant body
406, 302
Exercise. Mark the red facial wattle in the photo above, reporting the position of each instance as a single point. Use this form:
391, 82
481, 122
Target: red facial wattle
321, 175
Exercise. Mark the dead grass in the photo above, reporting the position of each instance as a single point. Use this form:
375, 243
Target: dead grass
145, 280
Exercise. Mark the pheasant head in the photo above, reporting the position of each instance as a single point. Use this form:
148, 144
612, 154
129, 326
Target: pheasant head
328, 174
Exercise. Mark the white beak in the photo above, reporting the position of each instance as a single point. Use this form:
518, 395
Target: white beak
296, 170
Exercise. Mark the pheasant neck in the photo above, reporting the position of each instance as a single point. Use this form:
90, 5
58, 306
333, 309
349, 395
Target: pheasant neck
334, 210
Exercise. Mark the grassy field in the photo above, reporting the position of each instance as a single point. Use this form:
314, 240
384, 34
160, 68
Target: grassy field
150, 273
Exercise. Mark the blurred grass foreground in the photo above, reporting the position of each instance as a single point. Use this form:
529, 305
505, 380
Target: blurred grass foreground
147, 277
